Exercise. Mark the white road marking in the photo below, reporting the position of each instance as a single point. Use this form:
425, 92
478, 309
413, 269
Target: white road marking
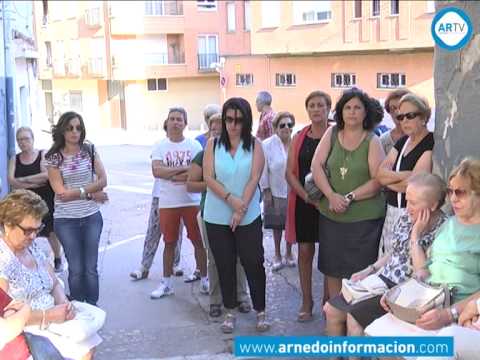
133, 189
118, 243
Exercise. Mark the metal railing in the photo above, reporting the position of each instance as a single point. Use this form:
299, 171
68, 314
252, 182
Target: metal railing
206, 61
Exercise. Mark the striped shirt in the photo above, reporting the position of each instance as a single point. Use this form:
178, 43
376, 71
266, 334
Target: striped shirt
76, 171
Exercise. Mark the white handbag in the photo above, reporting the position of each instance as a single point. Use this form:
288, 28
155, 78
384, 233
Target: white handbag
88, 321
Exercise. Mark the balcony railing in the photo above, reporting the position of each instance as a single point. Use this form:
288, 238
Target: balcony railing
156, 58
206, 62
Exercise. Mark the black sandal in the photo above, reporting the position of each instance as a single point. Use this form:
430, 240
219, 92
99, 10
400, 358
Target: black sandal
215, 310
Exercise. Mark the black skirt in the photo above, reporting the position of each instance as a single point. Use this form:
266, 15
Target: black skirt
345, 248
306, 222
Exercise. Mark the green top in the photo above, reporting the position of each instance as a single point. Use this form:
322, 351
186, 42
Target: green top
198, 159
455, 258
349, 170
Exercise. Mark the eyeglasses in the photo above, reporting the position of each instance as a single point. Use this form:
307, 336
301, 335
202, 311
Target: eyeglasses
409, 116
29, 232
283, 125
78, 128
459, 193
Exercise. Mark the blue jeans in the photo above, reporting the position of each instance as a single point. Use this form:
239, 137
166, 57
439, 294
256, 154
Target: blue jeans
80, 238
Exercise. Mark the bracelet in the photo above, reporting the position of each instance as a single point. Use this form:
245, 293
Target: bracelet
227, 196
454, 314
82, 193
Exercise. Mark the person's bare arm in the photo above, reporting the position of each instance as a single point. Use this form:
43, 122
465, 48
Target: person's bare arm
159, 170
195, 183
13, 322
424, 164
16, 183
257, 168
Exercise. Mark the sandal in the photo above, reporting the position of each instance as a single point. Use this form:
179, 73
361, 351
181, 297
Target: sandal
139, 274
262, 324
215, 310
228, 324
305, 316
244, 307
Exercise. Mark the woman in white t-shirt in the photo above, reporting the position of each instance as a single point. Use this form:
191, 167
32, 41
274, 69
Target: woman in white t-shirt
171, 160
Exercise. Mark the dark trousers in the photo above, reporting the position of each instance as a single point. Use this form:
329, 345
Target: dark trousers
80, 238
246, 243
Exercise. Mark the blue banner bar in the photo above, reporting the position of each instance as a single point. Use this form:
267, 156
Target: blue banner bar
324, 346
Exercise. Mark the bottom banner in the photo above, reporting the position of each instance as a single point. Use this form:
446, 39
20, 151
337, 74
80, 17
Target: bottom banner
324, 346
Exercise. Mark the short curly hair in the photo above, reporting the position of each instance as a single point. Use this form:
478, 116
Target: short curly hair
19, 204
370, 117
469, 169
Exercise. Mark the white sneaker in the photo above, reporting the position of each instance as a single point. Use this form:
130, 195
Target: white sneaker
277, 265
204, 288
161, 291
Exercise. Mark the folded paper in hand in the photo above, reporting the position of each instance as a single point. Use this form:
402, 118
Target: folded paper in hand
409, 300
354, 292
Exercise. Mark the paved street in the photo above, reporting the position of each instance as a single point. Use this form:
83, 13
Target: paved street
140, 328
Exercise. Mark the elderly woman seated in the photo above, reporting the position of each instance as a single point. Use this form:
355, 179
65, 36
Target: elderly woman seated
412, 236
26, 275
454, 261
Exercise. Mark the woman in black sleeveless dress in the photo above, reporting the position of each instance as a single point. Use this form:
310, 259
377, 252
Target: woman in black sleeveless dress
26, 171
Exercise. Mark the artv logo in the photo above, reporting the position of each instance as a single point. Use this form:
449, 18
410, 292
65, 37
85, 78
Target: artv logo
451, 28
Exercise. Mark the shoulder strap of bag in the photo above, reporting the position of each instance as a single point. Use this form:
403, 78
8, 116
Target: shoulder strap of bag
397, 168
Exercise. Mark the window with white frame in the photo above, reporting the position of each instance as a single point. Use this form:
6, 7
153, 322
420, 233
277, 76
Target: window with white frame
247, 15
375, 7
230, 16
75, 100
430, 6
48, 51
343, 80
154, 8
207, 5
207, 51
391, 80
311, 12
92, 16
285, 79
357, 9
157, 84
155, 50
242, 80
394, 7
270, 14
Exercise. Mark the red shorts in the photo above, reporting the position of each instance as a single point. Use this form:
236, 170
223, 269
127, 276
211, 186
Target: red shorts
170, 222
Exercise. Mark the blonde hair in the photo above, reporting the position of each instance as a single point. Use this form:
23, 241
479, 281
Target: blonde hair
420, 103
19, 204
469, 169
214, 117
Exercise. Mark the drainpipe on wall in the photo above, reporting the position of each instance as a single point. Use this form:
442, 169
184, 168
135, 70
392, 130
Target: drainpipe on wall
9, 74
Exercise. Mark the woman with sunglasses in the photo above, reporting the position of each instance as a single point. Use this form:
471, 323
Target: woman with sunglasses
274, 184
454, 261
27, 171
78, 178
232, 168
27, 276
302, 214
411, 154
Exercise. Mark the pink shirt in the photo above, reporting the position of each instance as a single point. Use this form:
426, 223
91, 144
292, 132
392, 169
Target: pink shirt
265, 126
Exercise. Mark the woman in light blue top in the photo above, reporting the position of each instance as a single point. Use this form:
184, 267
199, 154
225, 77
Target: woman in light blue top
233, 165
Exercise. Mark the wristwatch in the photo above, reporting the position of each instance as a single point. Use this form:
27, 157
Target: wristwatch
350, 196
454, 313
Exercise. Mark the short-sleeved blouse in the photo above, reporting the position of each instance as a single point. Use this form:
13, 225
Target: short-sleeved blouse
33, 286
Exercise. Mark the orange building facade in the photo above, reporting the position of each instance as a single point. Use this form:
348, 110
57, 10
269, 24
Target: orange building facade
122, 64
301, 46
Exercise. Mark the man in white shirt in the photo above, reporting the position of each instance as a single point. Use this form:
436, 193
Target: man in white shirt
171, 160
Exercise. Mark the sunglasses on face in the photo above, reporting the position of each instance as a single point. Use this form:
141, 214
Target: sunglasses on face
78, 128
459, 193
30, 231
284, 125
409, 116
231, 120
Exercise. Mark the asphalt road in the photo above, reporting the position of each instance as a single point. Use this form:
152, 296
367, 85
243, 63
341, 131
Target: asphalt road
138, 327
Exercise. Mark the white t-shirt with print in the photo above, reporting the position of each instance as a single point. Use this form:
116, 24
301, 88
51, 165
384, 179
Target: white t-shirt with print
175, 155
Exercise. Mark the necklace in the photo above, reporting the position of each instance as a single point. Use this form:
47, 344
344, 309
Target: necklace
346, 156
